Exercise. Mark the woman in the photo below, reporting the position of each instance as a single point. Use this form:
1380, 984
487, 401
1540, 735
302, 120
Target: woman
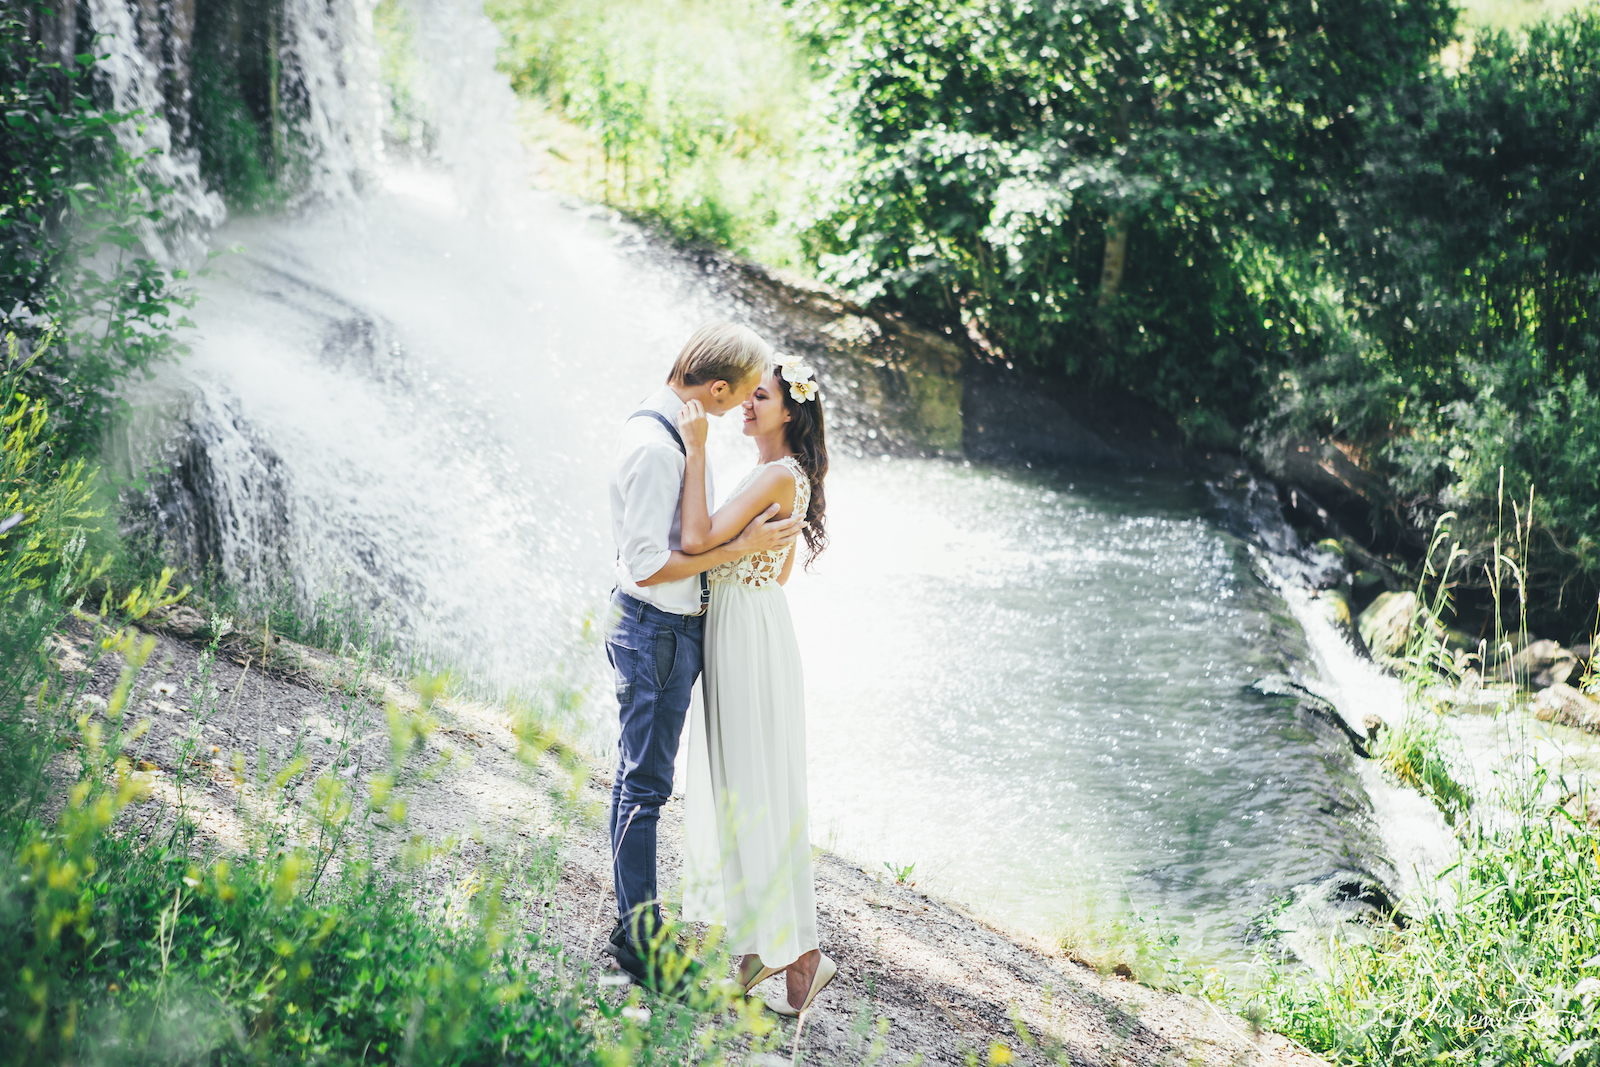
749, 852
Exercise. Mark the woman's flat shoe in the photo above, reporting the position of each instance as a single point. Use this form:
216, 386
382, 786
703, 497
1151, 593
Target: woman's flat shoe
761, 976
826, 969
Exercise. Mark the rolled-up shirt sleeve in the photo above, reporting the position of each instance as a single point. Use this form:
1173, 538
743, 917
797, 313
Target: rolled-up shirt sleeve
649, 478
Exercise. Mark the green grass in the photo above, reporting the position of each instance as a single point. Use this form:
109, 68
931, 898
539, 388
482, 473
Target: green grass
691, 114
1500, 962
1506, 972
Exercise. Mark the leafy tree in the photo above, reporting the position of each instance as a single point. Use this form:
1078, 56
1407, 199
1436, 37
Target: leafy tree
1462, 355
74, 215
1106, 190
1474, 223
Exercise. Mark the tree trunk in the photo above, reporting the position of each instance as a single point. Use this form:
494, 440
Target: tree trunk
1117, 224
274, 118
1116, 256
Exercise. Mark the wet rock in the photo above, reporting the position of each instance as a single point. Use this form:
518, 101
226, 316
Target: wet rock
1365, 581
1540, 665
1365, 585
1386, 625
1326, 570
1564, 705
1336, 606
1372, 724
1313, 703
1560, 672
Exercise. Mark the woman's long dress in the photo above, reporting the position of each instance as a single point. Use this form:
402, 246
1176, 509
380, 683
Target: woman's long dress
748, 854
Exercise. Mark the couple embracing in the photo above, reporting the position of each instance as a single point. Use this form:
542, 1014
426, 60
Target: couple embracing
700, 593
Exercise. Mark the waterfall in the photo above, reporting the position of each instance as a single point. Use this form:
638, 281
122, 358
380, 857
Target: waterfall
130, 76
329, 73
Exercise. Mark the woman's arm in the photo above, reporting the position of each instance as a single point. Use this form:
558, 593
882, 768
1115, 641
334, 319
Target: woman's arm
763, 533
700, 532
695, 529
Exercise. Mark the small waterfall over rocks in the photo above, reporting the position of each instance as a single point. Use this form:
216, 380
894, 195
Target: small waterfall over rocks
325, 100
218, 497
211, 492
145, 69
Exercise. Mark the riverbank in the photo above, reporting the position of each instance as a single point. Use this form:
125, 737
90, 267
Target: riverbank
919, 976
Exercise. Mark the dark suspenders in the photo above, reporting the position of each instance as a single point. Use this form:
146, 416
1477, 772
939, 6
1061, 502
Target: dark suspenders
677, 439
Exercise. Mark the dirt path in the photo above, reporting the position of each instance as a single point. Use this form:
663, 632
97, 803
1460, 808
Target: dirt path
948, 985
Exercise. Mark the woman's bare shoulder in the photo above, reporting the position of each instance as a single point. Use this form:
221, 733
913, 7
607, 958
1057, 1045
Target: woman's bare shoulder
774, 480
777, 475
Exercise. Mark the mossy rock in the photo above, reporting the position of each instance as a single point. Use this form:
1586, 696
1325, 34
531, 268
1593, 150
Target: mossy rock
1336, 606
1386, 624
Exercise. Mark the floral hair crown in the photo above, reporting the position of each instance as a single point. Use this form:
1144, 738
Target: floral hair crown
800, 377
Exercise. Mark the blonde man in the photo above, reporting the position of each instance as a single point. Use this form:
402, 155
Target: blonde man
655, 644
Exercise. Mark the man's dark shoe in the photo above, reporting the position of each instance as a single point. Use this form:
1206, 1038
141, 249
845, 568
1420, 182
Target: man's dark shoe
655, 962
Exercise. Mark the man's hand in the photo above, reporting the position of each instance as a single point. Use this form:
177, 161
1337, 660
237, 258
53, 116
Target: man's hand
763, 534
692, 426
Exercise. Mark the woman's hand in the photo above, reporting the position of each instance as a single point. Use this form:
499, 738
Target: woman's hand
692, 426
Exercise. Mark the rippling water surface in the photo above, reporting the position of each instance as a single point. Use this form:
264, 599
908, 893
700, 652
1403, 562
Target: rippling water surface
1034, 687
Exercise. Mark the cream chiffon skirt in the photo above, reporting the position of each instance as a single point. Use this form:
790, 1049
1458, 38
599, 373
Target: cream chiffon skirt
748, 850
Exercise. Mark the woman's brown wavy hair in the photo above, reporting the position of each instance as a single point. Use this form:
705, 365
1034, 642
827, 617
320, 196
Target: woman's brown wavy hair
806, 439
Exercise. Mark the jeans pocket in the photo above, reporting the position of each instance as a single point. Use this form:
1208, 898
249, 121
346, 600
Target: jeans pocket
666, 652
625, 665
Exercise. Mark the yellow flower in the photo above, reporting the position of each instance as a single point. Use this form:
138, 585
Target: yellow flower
803, 391
999, 1054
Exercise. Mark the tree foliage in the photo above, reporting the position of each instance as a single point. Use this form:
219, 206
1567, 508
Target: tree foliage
1101, 189
1462, 354
75, 215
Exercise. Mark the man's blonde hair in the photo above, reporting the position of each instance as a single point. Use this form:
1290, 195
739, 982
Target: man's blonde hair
722, 351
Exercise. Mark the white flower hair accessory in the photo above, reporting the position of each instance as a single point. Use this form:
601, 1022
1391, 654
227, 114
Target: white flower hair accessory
800, 377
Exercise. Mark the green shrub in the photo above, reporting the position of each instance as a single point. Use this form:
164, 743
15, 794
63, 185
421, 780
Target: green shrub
72, 258
1120, 194
1506, 972
1459, 362
696, 109
171, 961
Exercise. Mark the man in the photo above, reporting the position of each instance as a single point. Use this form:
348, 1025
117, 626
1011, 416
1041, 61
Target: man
655, 641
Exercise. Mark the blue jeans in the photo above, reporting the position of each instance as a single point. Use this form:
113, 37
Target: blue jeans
657, 658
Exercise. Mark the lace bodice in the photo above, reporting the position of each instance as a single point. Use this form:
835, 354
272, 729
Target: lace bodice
763, 568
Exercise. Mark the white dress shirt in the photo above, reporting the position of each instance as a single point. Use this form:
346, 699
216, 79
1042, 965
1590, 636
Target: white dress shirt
647, 507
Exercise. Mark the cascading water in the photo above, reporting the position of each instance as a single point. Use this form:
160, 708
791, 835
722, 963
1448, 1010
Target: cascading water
1034, 687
